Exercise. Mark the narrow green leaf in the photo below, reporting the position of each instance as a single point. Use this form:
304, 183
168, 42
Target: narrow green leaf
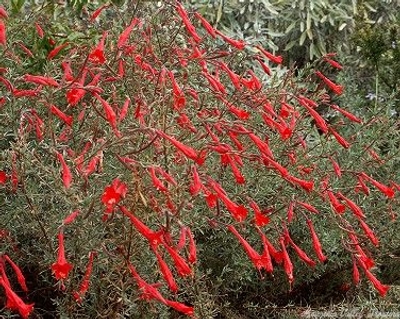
303, 38
342, 26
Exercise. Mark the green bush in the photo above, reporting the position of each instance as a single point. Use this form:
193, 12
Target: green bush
137, 140
304, 30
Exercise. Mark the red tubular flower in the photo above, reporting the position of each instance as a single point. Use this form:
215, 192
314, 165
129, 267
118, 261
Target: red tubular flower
186, 150
290, 211
239, 178
3, 13
80, 158
239, 113
154, 238
270, 121
192, 258
39, 125
67, 71
21, 93
3, 37
25, 49
239, 212
368, 231
306, 101
67, 119
253, 83
39, 30
206, 25
316, 243
369, 262
263, 65
41, 80
270, 56
66, 172
110, 113
250, 251
301, 253
166, 272
197, 54
148, 291
287, 263
92, 165
113, 194
184, 121
175, 86
123, 38
284, 130
75, 95
182, 267
353, 206
156, 181
238, 44
306, 185
189, 26
382, 289
339, 138
3, 177
333, 63
337, 205
18, 273
121, 69
211, 199
98, 11
235, 79
97, 55
261, 145
349, 115
3, 270
235, 140
277, 255
196, 185
84, 286
286, 109
268, 250
178, 306
361, 186
319, 120
179, 102
356, 273
167, 176
259, 218
336, 167
216, 85
337, 89
61, 268
7, 84
124, 110
53, 53
14, 302
182, 239
309, 207
386, 190
71, 217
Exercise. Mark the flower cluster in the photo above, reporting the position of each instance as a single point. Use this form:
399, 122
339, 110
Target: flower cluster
144, 132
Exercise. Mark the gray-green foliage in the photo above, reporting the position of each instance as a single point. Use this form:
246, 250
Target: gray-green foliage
305, 29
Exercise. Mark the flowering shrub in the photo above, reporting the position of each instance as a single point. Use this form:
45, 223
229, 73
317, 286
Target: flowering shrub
119, 154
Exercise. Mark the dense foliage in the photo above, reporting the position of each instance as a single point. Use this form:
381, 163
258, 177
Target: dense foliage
155, 166
302, 30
